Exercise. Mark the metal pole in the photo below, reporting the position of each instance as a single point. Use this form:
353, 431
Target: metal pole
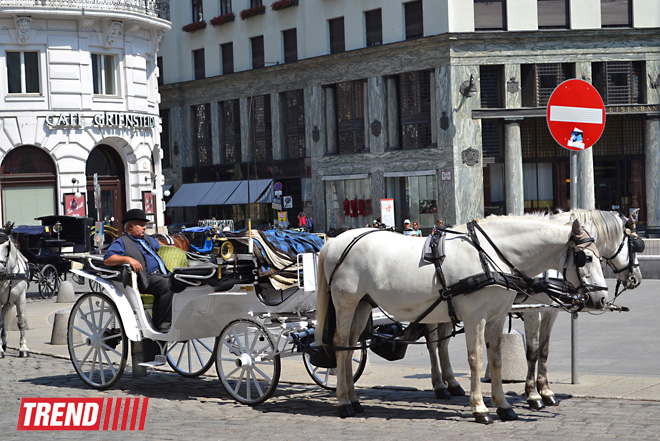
574, 317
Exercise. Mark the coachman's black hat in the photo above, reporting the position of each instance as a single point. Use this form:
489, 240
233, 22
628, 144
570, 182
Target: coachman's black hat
135, 214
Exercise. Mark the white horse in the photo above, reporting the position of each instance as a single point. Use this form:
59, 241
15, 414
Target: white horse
387, 269
615, 238
13, 286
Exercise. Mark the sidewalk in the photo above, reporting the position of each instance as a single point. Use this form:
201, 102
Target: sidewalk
378, 374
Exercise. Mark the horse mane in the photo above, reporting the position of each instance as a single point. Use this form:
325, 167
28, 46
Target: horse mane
606, 224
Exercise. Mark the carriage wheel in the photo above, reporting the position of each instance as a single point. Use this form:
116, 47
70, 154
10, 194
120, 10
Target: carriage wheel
246, 361
327, 378
78, 279
95, 286
191, 358
97, 342
49, 281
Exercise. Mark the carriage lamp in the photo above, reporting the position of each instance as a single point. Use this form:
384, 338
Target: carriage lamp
57, 228
77, 194
469, 89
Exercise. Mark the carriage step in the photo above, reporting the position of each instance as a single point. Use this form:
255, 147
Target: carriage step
159, 361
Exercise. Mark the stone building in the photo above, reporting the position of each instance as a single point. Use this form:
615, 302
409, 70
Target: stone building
437, 104
80, 99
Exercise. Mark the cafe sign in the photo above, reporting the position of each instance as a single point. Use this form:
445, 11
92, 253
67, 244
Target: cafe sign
117, 120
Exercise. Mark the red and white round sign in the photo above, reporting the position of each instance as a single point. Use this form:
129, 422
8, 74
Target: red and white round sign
576, 114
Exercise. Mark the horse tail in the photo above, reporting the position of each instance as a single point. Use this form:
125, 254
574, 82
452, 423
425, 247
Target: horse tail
322, 295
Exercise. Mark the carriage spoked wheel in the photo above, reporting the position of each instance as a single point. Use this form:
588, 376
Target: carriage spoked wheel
97, 341
327, 377
191, 358
246, 362
49, 281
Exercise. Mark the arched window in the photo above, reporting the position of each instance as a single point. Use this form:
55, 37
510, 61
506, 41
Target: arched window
105, 162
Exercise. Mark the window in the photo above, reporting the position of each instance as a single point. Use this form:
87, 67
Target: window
618, 82
374, 26
489, 15
616, 13
538, 186
197, 10
165, 137
159, 63
225, 7
350, 116
415, 198
553, 14
254, 3
348, 203
336, 26
294, 123
257, 44
492, 97
230, 114
415, 99
540, 80
23, 72
414, 19
103, 74
198, 64
290, 39
227, 50
263, 133
202, 133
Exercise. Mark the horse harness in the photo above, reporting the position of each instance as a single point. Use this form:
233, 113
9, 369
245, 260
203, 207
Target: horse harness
635, 245
4, 275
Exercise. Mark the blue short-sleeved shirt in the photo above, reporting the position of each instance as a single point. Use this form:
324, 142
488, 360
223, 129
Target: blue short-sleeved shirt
117, 247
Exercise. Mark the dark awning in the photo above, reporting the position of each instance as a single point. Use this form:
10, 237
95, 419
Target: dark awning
219, 193
223, 193
261, 192
189, 195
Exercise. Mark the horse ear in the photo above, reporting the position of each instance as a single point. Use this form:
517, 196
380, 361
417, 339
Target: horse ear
577, 228
632, 220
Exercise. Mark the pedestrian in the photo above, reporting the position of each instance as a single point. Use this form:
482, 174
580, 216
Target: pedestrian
407, 231
140, 251
439, 224
416, 230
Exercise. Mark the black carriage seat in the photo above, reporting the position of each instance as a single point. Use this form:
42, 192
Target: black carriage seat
43, 257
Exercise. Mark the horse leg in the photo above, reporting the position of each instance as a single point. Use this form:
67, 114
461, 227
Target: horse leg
360, 320
474, 335
532, 320
439, 387
3, 331
19, 292
448, 377
542, 381
493, 348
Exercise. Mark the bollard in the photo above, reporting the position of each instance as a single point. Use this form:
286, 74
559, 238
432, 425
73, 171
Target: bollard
514, 360
65, 293
60, 323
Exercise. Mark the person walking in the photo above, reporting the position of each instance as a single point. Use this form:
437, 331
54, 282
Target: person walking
417, 232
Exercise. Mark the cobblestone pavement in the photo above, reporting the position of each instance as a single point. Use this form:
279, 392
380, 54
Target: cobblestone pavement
198, 408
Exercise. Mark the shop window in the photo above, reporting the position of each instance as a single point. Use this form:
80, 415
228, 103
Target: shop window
538, 186
350, 116
294, 124
618, 82
23, 72
290, 40
553, 14
540, 80
337, 42
202, 133
374, 27
199, 65
348, 203
197, 10
165, 137
415, 198
414, 19
225, 7
230, 115
227, 51
489, 15
415, 102
103, 74
616, 13
263, 134
257, 45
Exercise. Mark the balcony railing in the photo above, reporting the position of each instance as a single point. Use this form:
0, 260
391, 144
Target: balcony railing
152, 8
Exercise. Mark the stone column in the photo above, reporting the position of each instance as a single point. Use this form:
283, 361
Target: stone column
315, 140
652, 171
377, 118
247, 147
331, 119
513, 170
585, 159
392, 113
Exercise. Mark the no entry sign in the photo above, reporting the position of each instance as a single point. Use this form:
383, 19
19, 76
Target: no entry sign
576, 115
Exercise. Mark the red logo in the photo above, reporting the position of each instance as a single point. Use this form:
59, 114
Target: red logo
82, 413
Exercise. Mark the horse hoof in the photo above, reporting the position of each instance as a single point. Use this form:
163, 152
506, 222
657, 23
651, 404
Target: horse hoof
550, 400
357, 407
482, 418
4, 348
506, 414
23, 354
346, 410
2, 355
442, 394
456, 391
535, 404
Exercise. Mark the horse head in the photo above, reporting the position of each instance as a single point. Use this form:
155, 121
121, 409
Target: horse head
587, 276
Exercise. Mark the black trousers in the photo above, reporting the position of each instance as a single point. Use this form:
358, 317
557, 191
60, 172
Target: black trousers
160, 288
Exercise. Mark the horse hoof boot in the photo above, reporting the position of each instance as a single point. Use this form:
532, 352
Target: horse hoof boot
506, 414
535, 404
549, 400
456, 391
346, 410
442, 394
23, 354
482, 418
357, 407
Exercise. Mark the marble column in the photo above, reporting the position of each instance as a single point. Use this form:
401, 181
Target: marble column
331, 119
585, 158
513, 170
315, 140
652, 171
377, 118
392, 113
247, 146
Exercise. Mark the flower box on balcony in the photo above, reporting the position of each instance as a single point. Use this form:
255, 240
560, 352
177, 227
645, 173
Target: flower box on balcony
222, 19
196, 26
251, 12
283, 4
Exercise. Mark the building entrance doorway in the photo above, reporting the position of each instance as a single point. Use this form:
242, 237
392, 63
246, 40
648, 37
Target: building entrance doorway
106, 163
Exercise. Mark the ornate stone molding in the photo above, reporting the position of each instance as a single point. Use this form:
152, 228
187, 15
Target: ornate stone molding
114, 31
470, 156
23, 24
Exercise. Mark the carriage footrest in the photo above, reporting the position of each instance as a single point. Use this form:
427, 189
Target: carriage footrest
160, 360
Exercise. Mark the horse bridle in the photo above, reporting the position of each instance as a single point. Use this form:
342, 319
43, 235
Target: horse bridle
635, 245
4, 237
579, 260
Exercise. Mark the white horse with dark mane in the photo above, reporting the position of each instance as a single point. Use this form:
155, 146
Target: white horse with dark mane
13, 286
615, 237
359, 270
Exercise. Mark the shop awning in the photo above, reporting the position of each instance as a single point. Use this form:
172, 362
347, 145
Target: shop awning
219, 193
189, 195
261, 192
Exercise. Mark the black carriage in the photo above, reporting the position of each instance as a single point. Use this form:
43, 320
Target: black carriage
43, 244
